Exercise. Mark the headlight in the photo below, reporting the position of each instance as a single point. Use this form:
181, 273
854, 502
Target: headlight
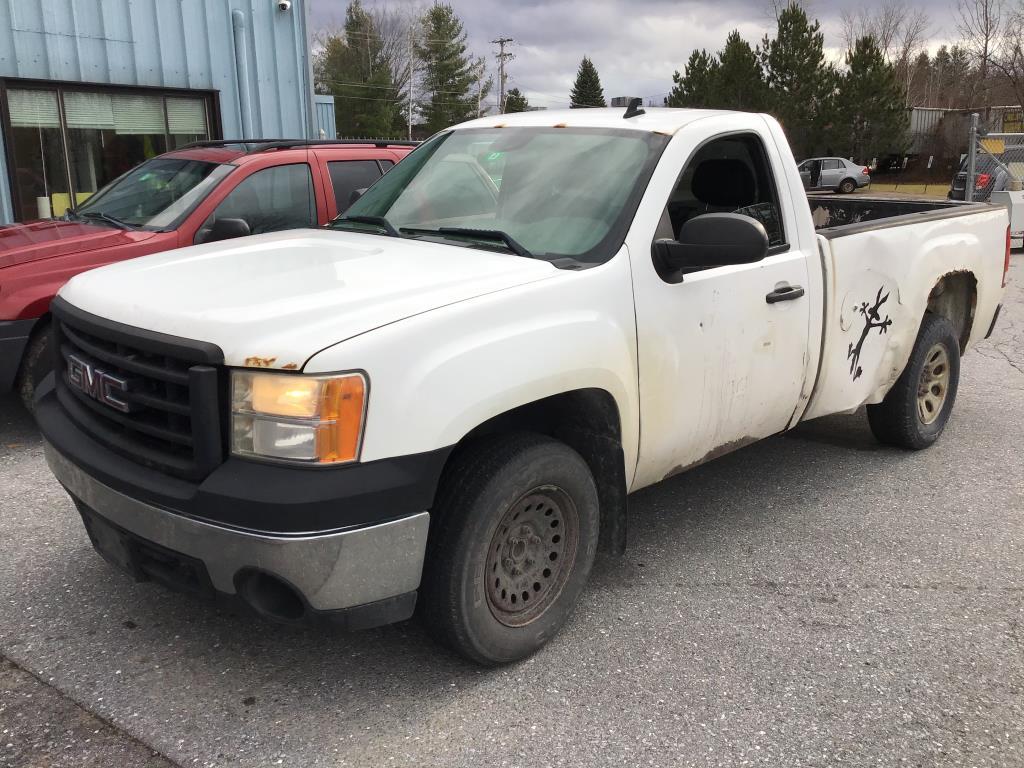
313, 419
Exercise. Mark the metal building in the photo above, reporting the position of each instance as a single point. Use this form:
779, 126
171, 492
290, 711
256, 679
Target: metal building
90, 88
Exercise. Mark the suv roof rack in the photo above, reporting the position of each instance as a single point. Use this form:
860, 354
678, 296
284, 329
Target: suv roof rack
265, 145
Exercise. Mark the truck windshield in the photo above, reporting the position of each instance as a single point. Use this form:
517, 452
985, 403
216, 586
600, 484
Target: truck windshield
542, 192
155, 195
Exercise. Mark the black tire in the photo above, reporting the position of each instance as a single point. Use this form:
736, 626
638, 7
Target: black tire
901, 418
473, 542
848, 186
35, 364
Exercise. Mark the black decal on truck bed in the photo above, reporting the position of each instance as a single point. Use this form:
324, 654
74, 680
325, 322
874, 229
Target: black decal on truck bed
872, 319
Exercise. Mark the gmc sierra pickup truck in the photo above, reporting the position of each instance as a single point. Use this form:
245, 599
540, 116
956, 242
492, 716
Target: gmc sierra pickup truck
443, 400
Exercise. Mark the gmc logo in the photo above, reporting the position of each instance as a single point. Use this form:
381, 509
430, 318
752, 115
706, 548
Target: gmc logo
97, 384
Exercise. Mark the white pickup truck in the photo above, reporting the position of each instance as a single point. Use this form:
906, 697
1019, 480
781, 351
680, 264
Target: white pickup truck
446, 397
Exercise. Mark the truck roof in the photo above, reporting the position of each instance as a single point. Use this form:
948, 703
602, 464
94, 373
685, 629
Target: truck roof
655, 119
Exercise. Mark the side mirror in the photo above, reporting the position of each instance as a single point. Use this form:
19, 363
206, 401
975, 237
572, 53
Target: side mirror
710, 240
226, 229
356, 194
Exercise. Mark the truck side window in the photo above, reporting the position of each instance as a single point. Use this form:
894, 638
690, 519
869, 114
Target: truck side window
269, 200
349, 175
729, 175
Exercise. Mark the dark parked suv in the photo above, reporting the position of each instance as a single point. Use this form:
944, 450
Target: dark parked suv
988, 176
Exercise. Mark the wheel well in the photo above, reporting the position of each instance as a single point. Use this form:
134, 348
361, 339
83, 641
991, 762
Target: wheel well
587, 420
955, 297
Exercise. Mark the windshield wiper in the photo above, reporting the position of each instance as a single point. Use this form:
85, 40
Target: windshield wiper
478, 234
377, 221
112, 220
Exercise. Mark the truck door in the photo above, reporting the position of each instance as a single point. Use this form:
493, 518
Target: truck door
722, 354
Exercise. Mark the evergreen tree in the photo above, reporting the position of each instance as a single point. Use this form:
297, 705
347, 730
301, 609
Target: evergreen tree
697, 86
354, 68
448, 73
587, 90
801, 85
871, 117
739, 81
515, 101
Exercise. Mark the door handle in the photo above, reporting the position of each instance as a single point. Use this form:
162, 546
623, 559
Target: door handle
785, 293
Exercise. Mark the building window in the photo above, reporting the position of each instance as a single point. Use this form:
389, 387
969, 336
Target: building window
68, 143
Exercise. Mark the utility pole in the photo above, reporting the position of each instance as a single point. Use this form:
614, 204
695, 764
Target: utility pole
412, 69
502, 56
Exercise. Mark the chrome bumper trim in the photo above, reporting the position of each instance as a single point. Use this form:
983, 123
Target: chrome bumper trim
333, 571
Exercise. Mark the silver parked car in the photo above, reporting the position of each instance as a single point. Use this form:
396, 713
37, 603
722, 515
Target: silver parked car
835, 173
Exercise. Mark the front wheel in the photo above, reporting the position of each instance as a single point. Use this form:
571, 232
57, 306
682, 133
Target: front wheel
35, 364
514, 535
848, 186
916, 410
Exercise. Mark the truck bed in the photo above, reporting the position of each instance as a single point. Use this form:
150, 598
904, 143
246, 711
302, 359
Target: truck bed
835, 215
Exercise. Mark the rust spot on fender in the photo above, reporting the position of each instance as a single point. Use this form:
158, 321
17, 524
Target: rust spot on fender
290, 367
714, 453
260, 362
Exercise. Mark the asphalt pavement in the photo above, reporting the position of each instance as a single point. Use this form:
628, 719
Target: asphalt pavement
812, 600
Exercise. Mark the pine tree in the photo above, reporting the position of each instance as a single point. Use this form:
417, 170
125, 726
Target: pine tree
739, 81
515, 101
871, 117
587, 90
354, 68
801, 85
697, 86
448, 73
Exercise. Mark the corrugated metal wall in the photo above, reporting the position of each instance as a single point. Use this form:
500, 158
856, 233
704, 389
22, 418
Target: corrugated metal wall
168, 43
325, 125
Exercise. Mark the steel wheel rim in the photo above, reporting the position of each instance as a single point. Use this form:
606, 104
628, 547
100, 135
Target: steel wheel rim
933, 387
530, 556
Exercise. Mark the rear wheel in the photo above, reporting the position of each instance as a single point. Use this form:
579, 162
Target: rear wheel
35, 364
848, 186
514, 534
916, 410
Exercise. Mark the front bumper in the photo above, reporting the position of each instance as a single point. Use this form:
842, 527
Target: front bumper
14, 336
378, 564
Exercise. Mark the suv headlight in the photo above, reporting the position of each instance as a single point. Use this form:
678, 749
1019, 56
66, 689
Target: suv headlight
293, 417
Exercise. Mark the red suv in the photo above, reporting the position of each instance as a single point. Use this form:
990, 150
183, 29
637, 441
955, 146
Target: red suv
207, 191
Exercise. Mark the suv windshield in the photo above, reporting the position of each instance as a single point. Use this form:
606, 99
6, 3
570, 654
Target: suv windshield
542, 192
155, 195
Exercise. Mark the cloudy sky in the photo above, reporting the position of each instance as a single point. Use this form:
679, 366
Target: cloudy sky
635, 44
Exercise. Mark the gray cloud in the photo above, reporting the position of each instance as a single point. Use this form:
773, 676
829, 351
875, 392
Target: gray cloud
635, 44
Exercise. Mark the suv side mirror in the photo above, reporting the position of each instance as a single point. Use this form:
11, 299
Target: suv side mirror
710, 240
226, 229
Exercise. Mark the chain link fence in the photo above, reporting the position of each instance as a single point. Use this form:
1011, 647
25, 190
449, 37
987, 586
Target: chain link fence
994, 163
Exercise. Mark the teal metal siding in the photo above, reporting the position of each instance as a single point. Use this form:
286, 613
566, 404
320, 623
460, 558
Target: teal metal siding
170, 44
326, 128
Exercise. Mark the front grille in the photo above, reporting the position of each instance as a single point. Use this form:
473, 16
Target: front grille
162, 410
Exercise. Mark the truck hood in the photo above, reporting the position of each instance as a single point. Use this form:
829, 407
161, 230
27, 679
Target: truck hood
276, 300
22, 243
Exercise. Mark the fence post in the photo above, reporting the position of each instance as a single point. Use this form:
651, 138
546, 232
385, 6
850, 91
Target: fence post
972, 157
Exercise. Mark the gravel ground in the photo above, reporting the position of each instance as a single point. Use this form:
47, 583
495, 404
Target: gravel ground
812, 600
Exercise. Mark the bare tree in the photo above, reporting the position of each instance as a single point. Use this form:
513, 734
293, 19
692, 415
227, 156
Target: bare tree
980, 23
1008, 57
899, 31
